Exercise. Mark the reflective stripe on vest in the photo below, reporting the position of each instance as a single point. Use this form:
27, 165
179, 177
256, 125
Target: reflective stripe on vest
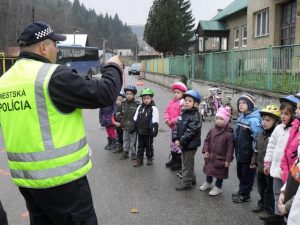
67, 163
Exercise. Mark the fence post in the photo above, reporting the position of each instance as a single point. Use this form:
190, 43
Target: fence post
270, 68
193, 65
210, 75
232, 59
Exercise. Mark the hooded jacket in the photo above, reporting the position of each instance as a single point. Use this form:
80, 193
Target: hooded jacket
290, 151
173, 111
127, 113
261, 148
188, 129
275, 150
219, 145
147, 118
248, 128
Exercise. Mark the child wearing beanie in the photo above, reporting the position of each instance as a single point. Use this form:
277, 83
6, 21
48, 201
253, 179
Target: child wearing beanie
248, 128
218, 152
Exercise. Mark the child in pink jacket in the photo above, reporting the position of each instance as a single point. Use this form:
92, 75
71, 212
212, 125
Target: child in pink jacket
172, 114
290, 152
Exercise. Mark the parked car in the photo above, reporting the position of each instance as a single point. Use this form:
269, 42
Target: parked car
134, 69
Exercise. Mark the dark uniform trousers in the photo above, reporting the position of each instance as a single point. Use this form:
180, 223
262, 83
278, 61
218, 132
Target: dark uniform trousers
265, 189
246, 177
68, 204
145, 142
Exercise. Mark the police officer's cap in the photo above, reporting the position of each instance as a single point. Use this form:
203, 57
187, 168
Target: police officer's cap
36, 32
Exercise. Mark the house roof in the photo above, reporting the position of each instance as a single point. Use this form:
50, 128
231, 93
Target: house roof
212, 25
234, 7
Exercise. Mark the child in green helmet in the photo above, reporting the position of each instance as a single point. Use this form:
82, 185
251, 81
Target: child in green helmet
147, 119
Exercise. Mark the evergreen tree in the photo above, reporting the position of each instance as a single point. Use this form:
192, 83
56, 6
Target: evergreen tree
169, 26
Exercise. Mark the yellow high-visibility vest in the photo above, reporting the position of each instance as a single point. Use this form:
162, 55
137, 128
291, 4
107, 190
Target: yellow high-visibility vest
45, 147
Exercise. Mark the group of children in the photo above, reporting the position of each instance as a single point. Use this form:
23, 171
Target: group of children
264, 144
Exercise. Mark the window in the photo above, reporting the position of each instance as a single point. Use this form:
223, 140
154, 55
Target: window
201, 44
262, 23
236, 37
244, 36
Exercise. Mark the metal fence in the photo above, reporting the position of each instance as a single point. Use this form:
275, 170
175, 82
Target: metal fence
275, 69
6, 63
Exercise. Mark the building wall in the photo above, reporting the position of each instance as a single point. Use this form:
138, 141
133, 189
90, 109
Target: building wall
273, 38
235, 21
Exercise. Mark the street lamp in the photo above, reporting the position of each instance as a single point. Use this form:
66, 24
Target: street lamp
74, 32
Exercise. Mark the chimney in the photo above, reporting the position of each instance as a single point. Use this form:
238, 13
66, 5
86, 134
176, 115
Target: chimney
220, 10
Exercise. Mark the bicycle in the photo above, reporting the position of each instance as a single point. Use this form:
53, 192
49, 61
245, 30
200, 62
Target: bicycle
229, 97
205, 111
214, 100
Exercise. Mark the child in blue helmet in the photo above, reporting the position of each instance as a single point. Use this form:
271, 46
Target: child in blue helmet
129, 107
186, 135
249, 126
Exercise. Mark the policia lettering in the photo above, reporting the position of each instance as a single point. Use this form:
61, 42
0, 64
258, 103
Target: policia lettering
13, 104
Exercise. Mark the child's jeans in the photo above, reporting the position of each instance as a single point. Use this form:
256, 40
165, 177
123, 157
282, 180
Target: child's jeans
265, 190
120, 135
129, 144
188, 162
277, 185
219, 181
246, 177
111, 131
145, 142
173, 146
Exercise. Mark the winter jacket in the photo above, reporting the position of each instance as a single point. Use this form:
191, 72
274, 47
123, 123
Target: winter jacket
275, 150
295, 210
127, 113
117, 113
219, 145
173, 111
261, 148
105, 115
188, 129
290, 151
248, 128
147, 118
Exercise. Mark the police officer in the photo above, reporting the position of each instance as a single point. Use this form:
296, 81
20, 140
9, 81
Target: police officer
43, 129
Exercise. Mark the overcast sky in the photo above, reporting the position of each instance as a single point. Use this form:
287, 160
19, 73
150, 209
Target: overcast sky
136, 11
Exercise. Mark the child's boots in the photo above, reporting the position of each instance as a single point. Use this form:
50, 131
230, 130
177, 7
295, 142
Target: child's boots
177, 162
119, 148
139, 162
171, 162
108, 142
113, 144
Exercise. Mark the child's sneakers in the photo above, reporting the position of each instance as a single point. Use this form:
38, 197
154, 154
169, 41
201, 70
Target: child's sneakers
215, 191
205, 186
124, 156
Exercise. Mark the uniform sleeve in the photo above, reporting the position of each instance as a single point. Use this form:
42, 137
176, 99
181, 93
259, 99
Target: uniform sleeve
68, 90
271, 147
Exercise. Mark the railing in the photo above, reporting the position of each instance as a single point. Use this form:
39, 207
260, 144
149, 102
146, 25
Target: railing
5, 63
275, 69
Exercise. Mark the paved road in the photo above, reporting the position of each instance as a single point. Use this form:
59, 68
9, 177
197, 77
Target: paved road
117, 186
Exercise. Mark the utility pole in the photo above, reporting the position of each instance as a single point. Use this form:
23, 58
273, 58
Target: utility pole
74, 32
103, 47
32, 13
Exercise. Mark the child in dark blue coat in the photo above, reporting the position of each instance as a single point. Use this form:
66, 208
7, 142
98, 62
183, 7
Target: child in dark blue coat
186, 135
